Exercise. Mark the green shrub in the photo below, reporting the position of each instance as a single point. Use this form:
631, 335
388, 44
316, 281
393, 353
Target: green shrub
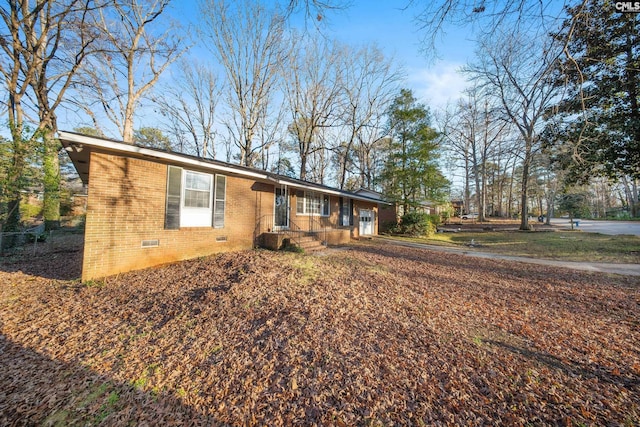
417, 224
66, 202
28, 211
393, 228
435, 219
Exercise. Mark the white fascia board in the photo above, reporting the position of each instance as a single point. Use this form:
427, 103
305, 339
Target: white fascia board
324, 190
141, 151
120, 147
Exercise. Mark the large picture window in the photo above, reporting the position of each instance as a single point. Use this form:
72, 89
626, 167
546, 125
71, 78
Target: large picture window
308, 203
197, 190
193, 200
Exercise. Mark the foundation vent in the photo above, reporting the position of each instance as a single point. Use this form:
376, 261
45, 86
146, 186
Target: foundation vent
150, 243
221, 238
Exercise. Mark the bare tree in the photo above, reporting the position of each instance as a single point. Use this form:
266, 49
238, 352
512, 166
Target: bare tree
369, 153
313, 90
473, 134
370, 84
271, 132
521, 81
46, 42
314, 9
190, 104
246, 38
537, 17
132, 59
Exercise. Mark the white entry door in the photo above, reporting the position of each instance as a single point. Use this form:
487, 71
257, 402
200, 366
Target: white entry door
366, 222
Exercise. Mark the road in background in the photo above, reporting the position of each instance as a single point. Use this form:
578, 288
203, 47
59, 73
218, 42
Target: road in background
603, 227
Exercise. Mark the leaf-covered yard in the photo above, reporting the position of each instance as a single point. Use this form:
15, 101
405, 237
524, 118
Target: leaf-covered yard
366, 335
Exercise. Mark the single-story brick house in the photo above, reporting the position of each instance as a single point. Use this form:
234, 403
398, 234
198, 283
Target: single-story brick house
148, 207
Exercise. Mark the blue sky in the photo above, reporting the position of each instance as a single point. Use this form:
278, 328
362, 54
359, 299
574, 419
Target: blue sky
433, 78
385, 23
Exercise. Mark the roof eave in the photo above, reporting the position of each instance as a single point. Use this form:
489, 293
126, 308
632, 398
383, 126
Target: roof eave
76, 143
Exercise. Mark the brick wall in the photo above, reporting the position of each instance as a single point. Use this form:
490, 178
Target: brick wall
334, 216
126, 206
387, 217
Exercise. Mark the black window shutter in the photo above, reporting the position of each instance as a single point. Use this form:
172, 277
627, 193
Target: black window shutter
174, 193
351, 212
220, 198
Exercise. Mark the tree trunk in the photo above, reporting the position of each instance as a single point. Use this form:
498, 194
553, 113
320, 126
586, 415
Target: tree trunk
524, 208
303, 167
51, 169
13, 183
510, 193
467, 186
127, 125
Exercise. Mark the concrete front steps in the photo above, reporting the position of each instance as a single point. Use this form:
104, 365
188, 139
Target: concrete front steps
310, 244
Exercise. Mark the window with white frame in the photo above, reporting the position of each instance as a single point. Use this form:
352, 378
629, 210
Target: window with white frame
197, 190
309, 203
196, 200
193, 200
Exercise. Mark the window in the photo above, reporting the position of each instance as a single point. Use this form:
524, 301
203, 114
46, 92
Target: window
312, 204
197, 190
193, 200
300, 202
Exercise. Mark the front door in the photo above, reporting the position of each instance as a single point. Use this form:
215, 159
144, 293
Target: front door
281, 206
366, 222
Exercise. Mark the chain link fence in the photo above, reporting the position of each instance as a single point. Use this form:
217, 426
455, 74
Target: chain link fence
37, 242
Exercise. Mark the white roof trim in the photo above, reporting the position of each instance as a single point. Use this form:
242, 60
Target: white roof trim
313, 188
132, 149
78, 140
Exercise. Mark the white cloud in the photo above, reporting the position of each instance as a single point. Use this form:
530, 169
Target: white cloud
438, 85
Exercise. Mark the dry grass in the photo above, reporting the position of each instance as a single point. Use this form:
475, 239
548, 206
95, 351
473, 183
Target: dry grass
367, 335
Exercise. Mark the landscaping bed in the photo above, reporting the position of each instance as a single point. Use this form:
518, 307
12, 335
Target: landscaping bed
365, 335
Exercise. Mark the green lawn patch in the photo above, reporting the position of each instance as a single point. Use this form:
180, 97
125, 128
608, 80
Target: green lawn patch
568, 246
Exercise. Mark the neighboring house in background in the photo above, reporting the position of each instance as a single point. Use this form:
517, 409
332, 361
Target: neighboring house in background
458, 207
148, 207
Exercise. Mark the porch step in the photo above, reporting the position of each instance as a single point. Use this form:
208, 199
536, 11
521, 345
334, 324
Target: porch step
310, 244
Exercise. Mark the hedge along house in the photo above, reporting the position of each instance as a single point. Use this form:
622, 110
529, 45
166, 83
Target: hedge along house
148, 207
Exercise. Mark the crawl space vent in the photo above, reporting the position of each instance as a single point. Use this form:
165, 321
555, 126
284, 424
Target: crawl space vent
221, 239
150, 243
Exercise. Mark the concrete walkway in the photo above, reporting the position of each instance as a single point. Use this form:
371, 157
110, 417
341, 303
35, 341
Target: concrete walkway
600, 267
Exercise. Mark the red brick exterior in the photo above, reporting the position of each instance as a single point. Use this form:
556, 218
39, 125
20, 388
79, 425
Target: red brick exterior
388, 217
126, 206
333, 220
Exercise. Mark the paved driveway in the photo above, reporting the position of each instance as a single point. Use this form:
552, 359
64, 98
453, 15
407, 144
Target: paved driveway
604, 227
624, 269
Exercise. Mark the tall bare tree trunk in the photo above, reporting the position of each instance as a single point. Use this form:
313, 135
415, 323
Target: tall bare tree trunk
51, 169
